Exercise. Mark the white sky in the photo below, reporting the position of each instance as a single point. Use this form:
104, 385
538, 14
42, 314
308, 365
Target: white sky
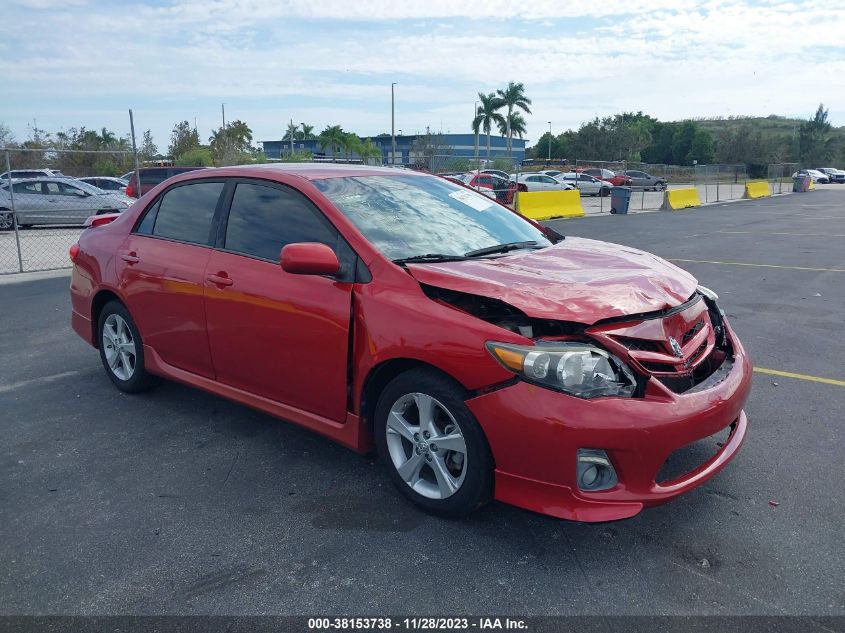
84, 62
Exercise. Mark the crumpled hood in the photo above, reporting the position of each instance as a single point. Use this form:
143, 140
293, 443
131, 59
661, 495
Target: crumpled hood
578, 280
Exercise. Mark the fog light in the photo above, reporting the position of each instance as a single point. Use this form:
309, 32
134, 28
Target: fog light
594, 470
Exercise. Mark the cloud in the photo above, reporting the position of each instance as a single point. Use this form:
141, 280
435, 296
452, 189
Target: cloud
332, 62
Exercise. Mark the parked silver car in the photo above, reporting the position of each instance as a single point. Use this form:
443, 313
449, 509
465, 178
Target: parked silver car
106, 183
585, 183
55, 201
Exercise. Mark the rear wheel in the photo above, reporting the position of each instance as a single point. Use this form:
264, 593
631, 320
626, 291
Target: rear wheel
121, 349
434, 450
659, 186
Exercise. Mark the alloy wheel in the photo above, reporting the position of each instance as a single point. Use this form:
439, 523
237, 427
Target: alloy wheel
426, 446
119, 347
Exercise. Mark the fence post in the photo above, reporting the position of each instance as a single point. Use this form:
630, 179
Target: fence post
135, 152
14, 212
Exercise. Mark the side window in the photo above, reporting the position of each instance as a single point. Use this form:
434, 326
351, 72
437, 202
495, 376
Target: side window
264, 219
66, 189
26, 187
185, 212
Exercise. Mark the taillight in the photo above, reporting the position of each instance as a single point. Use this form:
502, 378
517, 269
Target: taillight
73, 252
130, 190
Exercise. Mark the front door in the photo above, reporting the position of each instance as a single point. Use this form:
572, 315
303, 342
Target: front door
161, 267
274, 334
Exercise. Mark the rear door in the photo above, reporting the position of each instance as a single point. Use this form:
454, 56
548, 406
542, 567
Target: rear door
161, 268
281, 336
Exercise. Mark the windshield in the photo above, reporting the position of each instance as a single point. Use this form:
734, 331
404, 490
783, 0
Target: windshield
409, 216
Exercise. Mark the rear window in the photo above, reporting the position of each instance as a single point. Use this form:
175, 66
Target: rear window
153, 176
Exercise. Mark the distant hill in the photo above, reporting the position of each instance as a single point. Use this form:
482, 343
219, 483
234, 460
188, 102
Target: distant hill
779, 134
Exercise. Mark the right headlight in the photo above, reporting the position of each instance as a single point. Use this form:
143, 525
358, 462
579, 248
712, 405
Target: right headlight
579, 369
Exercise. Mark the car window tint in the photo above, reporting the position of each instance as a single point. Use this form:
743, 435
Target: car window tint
264, 219
185, 213
153, 176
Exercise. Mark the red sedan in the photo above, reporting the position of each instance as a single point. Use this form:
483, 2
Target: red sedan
482, 355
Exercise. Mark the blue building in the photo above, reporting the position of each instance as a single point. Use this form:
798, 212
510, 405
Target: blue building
449, 146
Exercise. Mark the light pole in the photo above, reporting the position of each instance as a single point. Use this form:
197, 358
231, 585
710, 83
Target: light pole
475, 114
550, 142
392, 125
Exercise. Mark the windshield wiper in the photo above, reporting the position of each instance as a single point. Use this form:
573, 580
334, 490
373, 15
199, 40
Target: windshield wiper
430, 257
500, 248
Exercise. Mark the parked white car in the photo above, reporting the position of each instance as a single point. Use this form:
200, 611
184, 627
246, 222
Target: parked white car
55, 201
540, 182
17, 174
815, 176
586, 184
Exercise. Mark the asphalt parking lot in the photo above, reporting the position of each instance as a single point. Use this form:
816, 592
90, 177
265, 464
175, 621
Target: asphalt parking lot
179, 502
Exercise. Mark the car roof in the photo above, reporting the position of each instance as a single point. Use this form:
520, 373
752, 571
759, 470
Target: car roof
316, 171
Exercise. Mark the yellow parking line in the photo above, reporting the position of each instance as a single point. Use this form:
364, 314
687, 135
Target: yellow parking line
707, 261
776, 233
789, 374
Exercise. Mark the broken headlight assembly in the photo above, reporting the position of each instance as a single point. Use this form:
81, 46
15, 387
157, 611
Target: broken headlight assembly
578, 369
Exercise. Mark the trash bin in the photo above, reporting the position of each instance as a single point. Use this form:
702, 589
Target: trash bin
620, 198
801, 184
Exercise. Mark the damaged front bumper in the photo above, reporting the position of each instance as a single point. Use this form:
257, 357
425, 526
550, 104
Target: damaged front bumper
535, 433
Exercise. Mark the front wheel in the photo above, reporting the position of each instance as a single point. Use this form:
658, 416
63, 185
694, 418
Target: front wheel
434, 450
7, 222
121, 349
659, 186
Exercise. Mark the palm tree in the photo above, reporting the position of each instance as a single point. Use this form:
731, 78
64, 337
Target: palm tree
292, 132
351, 144
307, 132
107, 138
332, 138
513, 97
516, 123
486, 116
367, 150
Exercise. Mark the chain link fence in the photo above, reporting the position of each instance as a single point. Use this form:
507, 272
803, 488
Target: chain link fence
47, 194
779, 176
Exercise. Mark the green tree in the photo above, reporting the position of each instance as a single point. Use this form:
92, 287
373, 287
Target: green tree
232, 144
148, 149
369, 152
514, 125
292, 132
7, 139
332, 139
815, 145
307, 133
513, 97
702, 148
486, 116
183, 139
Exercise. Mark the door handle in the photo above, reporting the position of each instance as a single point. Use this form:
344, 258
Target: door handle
220, 279
131, 257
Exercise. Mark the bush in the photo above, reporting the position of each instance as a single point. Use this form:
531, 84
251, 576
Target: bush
198, 157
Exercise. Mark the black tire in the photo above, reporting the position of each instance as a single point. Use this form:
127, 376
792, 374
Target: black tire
7, 222
605, 192
476, 488
139, 380
659, 186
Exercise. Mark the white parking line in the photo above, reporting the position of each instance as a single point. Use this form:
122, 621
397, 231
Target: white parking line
36, 381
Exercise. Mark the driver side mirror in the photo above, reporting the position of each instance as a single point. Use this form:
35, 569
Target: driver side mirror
309, 258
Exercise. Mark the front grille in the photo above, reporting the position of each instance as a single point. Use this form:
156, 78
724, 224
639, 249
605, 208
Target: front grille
652, 349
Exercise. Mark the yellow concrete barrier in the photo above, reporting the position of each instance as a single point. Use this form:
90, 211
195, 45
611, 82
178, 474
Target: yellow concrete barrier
681, 199
757, 189
545, 205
